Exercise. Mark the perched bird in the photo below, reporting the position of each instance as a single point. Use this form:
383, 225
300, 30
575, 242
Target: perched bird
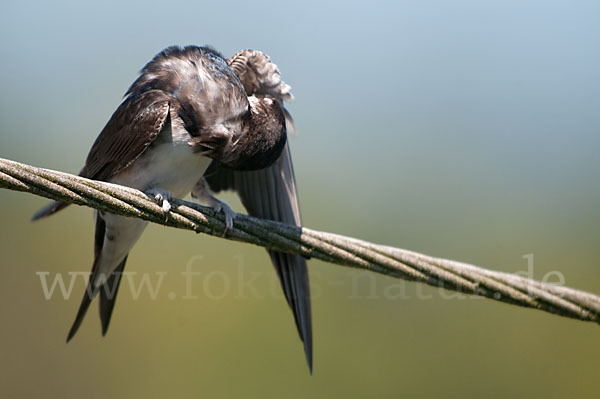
195, 122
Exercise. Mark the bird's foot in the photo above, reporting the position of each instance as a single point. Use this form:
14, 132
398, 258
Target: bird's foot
162, 198
221, 206
201, 192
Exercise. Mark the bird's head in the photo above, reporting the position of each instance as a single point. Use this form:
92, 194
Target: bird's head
253, 140
263, 135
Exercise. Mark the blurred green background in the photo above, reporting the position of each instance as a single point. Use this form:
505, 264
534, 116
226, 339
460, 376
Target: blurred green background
463, 129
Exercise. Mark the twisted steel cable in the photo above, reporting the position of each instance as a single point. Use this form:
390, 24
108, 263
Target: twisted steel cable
328, 247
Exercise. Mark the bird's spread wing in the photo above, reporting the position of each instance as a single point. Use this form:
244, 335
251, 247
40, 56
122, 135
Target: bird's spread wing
271, 194
130, 130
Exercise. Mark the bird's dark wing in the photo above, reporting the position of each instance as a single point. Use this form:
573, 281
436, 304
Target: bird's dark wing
130, 130
271, 194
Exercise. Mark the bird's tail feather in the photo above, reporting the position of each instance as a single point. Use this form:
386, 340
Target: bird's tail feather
107, 293
108, 296
49, 209
88, 295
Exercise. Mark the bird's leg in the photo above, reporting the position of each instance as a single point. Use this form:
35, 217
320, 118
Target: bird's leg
162, 198
202, 192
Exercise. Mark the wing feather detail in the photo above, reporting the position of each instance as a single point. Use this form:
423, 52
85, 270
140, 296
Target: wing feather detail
271, 194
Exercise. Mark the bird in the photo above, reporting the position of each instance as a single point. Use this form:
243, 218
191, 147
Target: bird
196, 122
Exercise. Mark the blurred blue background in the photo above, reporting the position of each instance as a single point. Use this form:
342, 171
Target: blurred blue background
462, 129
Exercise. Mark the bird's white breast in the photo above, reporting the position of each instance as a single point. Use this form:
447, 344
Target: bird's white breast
168, 164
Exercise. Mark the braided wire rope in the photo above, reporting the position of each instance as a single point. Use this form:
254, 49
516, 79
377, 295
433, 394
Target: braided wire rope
328, 247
